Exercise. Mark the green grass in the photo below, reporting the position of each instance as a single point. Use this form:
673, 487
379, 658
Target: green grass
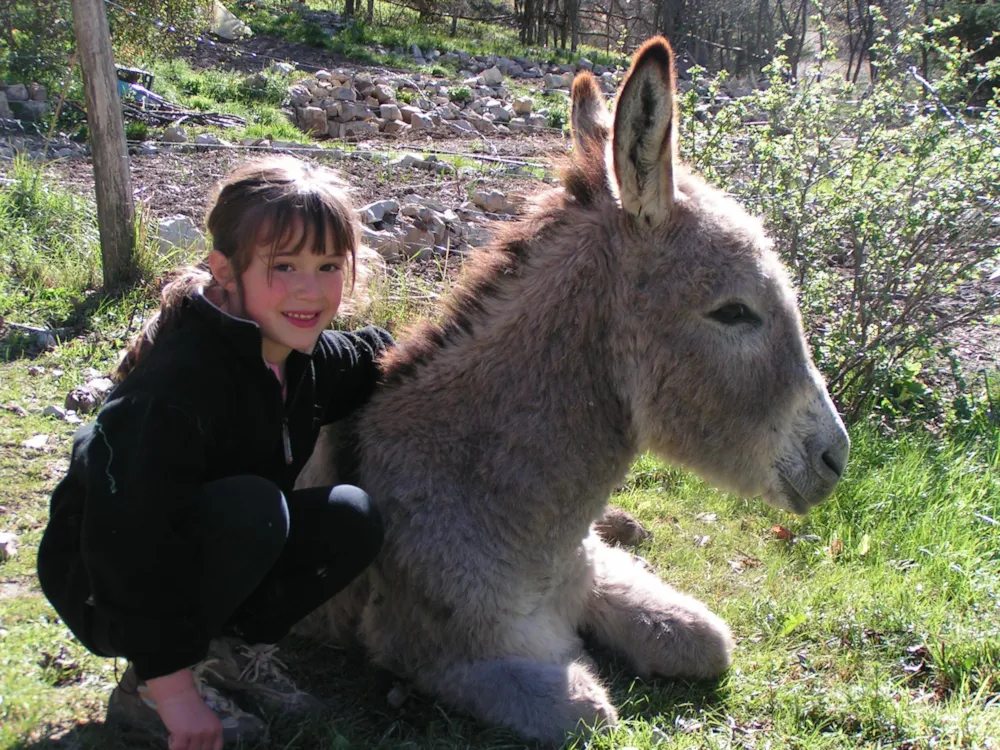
877, 627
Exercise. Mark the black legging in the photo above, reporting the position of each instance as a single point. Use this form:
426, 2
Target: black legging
269, 560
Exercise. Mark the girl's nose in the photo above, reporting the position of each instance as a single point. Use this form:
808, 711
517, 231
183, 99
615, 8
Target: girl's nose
308, 286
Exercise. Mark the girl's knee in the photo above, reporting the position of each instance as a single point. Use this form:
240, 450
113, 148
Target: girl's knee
360, 514
249, 507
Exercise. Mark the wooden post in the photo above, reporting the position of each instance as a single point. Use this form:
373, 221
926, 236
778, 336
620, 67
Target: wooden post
113, 183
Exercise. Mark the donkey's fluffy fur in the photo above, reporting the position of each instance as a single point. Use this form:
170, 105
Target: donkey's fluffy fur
635, 308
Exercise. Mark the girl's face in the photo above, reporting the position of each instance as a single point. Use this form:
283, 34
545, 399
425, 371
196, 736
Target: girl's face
292, 297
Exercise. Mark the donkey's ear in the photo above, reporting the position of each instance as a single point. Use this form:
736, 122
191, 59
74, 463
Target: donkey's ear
645, 135
589, 117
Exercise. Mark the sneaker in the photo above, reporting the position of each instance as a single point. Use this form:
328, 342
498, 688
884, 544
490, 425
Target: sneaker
132, 710
256, 672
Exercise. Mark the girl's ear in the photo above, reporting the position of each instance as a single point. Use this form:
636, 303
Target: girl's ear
222, 270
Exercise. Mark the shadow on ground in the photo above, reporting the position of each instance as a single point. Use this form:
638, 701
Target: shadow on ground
360, 714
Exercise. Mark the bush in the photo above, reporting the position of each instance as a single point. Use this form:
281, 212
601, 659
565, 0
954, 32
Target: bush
882, 209
36, 36
460, 94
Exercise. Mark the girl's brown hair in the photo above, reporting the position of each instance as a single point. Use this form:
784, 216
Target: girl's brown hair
262, 202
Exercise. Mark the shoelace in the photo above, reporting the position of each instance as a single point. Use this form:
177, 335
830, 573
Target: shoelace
263, 662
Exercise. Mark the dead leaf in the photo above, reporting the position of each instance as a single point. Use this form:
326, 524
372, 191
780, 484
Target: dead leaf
782, 533
835, 548
865, 545
707, 517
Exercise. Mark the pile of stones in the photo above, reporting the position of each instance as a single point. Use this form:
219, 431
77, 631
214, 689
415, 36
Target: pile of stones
25, 102
346, 104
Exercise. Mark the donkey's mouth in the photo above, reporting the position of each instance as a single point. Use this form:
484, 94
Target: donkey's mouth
795, 502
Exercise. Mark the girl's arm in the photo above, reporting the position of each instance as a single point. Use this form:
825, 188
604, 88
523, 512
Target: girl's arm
347, 369
144, 464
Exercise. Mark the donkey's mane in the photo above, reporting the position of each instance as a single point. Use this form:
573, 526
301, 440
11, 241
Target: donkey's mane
488, 267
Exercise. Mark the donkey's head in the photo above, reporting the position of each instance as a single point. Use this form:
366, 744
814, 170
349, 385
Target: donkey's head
716, 368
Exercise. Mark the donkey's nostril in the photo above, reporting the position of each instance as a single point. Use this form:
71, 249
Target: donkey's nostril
833, 462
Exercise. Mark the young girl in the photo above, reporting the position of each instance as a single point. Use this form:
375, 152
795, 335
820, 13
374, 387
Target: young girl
176, 539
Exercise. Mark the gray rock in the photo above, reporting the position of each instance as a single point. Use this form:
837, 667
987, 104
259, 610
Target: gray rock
584, 64
390, 112
299, 96
385, 243
419, 121
408, 111
178, 232
345, 93
417, 239
54, 411
358, 129
29, 110
384, 93
493, 201
4, 107
416, 51
36, 92
493, 76
209, 140
406, 161
313, 120
175, 134
8, 545
395, 126
523, 105
147, 148
17, 92
379, 209
284, 68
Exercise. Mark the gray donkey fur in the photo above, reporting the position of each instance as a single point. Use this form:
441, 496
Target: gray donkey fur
635, 308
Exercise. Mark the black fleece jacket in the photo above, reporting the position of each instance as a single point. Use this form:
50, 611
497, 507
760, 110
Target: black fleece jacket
201, 405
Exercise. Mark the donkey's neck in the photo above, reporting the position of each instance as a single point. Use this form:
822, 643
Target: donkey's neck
533, 400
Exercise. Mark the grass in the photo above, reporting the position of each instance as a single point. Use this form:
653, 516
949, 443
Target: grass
873, 622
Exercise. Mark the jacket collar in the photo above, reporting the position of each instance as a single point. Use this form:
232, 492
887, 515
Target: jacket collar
242, 334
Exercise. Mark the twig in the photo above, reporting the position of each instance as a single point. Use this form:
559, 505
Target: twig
954, 118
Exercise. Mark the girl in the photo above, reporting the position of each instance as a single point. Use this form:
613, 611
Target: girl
176, 539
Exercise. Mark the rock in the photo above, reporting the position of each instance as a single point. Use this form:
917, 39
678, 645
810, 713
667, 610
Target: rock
416, 240
36, 442
100, 386
147, 148
385, 243
407, 161
523, 105
36, 370
36, 92
208, 140
384, 93
179, 232
17, 92
397, 696
8, 545
460, 126
395, 126
416, 51
493, 76
54, 411
358, 129
584, 64
345, 94
420, 121
483, 125
175, 134
283, 68
493, 201
379, 209
313, 120
29, 110
299, 96
408, 111
389, 112
4, 107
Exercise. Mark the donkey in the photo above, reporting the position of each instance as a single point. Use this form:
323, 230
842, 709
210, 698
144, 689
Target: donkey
635, 308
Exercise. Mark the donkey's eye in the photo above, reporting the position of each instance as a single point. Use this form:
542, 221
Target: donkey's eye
734, 313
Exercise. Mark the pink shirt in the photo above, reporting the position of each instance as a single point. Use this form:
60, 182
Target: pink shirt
277, 374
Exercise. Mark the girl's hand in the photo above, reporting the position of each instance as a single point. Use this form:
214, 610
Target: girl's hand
192, 724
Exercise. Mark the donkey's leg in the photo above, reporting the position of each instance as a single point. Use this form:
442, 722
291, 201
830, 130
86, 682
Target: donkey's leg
660, 630
540, 701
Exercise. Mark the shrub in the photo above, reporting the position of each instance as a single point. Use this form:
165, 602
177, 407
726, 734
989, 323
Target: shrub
460, 94
882, 210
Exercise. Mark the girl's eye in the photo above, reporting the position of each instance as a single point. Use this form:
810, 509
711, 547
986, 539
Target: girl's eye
282, 266
332, 267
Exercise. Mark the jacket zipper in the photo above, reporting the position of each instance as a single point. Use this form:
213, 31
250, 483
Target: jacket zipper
286, 435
